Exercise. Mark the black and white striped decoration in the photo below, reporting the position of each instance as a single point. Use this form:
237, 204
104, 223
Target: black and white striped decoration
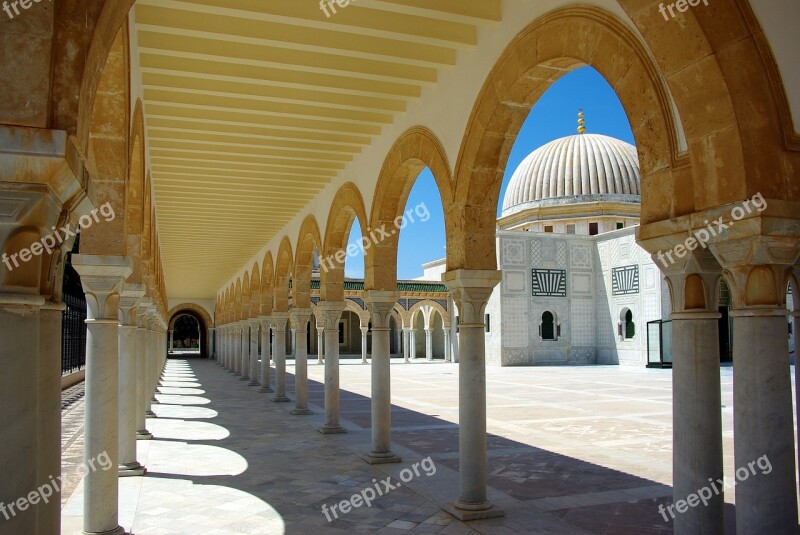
625, 280
549, 282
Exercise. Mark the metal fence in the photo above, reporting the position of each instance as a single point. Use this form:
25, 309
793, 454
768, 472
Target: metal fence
659, 344
73, 334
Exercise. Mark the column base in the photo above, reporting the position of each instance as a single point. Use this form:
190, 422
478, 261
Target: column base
144, 435
265, 390
301, 412
132, 470
244, 378
281, 399
386, 457
472, 511
150, 414
253, 383
119, 530
332, 430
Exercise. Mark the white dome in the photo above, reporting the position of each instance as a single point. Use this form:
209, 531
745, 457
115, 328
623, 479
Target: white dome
580, 168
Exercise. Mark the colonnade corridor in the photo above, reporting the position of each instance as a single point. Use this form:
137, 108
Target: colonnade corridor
583, 450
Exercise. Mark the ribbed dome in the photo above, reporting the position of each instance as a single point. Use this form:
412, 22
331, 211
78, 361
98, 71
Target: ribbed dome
585, 165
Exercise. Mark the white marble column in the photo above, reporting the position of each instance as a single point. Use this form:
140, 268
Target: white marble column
223, 356
331, 311
171, 339
229, 353
406, 343
428, 344
236, 342
696, 399
155, 372
763, 421
49, 412
142, 371
279, 321
380, 306
212, 346
398, 338
796, 335
413, 343
763, 430
20, 386
128, 375
448, 350
320, 344
265, 355
244, 365
254, 372
102, 278
472, 289
364, 331
300, 319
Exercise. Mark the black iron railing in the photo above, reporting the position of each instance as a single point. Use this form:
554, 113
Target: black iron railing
73, 334
659, 344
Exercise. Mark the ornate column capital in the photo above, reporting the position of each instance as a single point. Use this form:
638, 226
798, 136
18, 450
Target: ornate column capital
471, 290
380, 305
265, 321
102, 278
693, 280
757, 268
300, 318
279, 320
331, 311
130, 297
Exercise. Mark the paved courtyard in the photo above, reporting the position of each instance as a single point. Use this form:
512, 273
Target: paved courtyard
572, 450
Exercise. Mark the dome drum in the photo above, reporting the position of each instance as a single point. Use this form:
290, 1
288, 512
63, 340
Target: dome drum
585, 168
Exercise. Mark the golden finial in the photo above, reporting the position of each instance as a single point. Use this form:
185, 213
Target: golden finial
581, 122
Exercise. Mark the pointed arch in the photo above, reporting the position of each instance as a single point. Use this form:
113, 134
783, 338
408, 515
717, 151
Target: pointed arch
284, 262
347, 205
134, 196
522, 74
230, 304
107, 150
255, 291
414, 150
267, 284
308, 240
237, 301
427, 307
245, 313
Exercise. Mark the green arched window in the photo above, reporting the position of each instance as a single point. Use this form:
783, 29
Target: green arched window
630, 327
548, 328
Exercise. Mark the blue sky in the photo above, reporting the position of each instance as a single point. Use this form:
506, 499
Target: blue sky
555, 115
